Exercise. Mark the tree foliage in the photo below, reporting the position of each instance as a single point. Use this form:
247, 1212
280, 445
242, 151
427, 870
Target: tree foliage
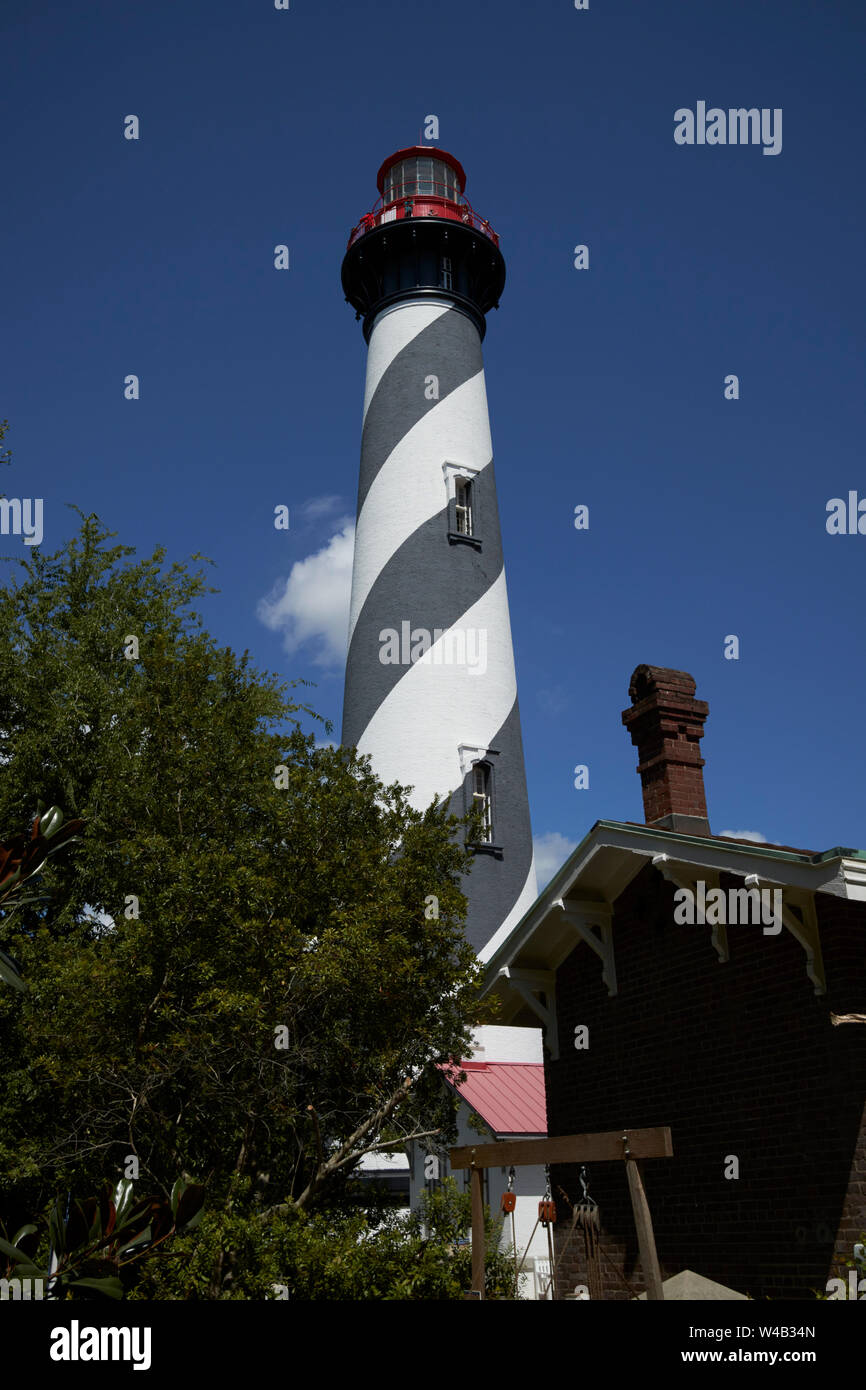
5, 451
92, 1244
21, 858
339, 1256
233, 973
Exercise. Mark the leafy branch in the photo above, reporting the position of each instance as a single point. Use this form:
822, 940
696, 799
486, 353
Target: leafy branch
102, 1235
21, 858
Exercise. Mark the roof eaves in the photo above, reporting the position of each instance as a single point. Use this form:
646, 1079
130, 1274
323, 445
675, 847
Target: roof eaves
570, 870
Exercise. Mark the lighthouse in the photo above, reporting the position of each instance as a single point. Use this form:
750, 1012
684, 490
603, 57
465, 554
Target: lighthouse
431, 692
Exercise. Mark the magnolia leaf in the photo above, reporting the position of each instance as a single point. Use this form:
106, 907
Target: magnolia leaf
95, 1232
10, 972
10, 880
51, 822
14, 1253
123, 1199
193, 1221
111, 1287
189, 1204
176, 1193
57, 1229
143, 1239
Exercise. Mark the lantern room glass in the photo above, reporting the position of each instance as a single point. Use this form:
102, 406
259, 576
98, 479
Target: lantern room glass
421, 176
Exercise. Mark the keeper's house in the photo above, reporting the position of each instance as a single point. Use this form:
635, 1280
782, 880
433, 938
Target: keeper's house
737, 1018
497, 1099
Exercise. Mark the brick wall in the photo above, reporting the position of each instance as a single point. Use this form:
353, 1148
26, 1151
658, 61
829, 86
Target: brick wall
739, 1059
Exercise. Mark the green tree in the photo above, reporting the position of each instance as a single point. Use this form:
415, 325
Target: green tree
339, 1255
5, 451
237, 973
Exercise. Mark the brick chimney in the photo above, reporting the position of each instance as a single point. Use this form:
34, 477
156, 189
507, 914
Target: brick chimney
666, 724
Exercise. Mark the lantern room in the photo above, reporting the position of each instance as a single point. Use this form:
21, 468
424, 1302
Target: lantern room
421, 181
421, 172
422, 239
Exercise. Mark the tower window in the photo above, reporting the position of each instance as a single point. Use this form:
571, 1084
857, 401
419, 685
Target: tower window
482, 801
420, 175
447, 279
464, 497
463, 506
479, 795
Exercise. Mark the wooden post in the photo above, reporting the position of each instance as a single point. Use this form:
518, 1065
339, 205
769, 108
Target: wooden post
645, 1239
629, 1146
477, 1188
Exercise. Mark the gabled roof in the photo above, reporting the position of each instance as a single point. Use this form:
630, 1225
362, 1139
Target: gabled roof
519, 961
508, 1096
613, 852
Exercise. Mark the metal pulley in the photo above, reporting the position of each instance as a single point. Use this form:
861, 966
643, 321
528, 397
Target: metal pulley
508, 1201
547, 1206
547, 1211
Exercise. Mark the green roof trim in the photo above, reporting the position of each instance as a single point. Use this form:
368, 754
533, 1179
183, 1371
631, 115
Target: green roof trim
746, 847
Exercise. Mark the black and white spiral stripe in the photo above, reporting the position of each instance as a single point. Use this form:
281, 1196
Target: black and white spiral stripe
414, 719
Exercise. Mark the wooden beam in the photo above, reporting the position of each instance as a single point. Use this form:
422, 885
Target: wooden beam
477, 1185
567, 1148
645, 1239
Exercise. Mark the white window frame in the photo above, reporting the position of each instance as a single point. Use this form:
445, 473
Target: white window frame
484, 799
470, 754
451, 472
463, 509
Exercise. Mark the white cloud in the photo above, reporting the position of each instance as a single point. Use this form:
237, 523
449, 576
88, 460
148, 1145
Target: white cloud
316, 507
551, 852
554, 700
755, 835
312, 605
102, 922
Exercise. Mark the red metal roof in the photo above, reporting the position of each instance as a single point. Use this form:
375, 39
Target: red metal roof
509, 1096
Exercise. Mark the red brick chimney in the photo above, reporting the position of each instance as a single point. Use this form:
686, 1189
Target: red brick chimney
666, 724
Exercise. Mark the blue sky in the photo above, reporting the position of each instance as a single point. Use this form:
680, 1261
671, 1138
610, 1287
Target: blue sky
606, 386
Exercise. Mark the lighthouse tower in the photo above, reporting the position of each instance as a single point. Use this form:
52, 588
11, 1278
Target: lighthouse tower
431, 692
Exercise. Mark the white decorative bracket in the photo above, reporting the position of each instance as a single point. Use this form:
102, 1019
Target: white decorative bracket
583, 914
472, 753
529, 984
453, 471
801, 920
718, 930
803, 926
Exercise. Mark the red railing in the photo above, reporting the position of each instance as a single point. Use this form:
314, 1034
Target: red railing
422, 205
